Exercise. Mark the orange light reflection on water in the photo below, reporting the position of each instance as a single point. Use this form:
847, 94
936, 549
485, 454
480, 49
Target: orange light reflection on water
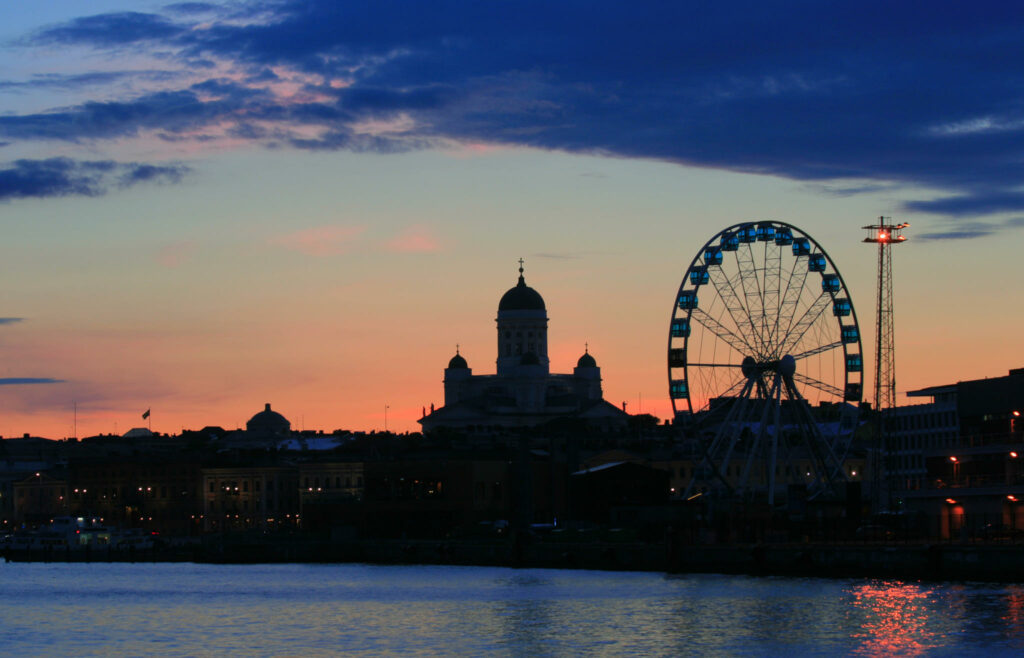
895, 619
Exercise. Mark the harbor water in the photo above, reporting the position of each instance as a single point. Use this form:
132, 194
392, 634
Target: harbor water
184, 609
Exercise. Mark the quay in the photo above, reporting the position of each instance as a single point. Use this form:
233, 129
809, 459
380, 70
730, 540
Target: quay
933, 561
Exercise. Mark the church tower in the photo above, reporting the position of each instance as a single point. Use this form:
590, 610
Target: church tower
522, 329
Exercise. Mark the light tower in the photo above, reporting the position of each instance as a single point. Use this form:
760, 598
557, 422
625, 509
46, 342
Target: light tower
884, 235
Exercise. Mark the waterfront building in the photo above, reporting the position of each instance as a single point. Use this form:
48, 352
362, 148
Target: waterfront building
915, 430
159, 493
523, 392
959, 459
40, 497
250, 496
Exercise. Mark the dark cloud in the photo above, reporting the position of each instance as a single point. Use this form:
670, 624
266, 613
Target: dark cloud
10, 320
14, 381
187, 8
57, 177
173, 111
983, 202
880, 93
113, 29
82, 80
954, 235
970, 230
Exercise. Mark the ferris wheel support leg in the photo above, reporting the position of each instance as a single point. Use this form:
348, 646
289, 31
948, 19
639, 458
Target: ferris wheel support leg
828, 466
708, 461
755, 447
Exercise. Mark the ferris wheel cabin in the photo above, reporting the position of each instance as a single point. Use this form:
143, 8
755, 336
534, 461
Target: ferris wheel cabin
680, 328
688, 300
713, 256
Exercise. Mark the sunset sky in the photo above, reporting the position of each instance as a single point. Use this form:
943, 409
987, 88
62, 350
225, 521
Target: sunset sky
210, 206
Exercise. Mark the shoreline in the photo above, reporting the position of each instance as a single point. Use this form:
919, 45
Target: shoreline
937, 562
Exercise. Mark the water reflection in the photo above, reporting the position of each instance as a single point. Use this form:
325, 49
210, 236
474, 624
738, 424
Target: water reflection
326, 610
893, 619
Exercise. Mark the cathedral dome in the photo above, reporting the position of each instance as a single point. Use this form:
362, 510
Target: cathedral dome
457, 361
521, 298
268, 422
586, 361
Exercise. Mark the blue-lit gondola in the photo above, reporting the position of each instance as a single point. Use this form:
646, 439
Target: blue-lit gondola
699, 275
713, 256
747, 233
677, 388
841, 307
784, 236
801, 247
730, 242
816, 263
850, 333
854, 363
688, 299
765, 232
830, 283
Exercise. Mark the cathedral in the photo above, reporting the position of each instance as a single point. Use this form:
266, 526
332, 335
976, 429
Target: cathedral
523, 392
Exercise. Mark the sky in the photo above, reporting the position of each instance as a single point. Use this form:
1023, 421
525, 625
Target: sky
206, 207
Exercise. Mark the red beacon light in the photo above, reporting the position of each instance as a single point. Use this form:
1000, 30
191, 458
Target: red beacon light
885, 233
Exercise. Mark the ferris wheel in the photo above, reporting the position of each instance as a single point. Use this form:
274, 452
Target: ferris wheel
765, 361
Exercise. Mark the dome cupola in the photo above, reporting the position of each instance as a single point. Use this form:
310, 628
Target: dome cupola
268, 422
522, 297
457, 362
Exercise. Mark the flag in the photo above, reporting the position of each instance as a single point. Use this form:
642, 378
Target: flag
146, 414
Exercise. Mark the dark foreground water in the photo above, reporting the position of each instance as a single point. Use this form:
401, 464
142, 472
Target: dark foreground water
303, 610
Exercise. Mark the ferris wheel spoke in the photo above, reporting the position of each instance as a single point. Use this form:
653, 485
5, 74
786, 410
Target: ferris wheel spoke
818, 350
714, 365
720, 330
818, 384
772, 287
727, 292
731, 389
806, 321
754, 306
787, 301
794, 291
